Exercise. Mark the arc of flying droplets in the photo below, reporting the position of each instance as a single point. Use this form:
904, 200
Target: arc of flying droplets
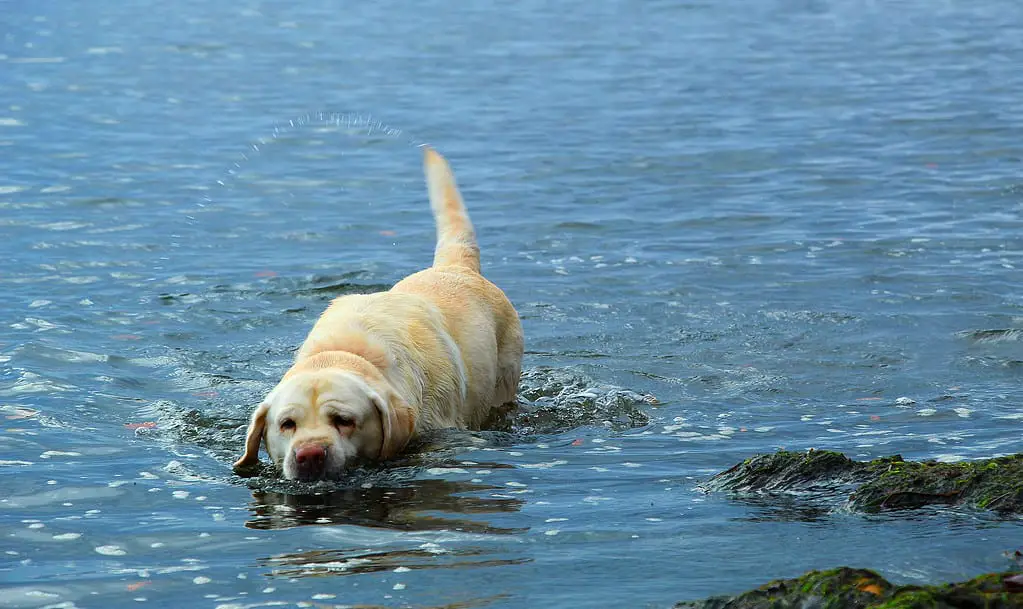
340, 119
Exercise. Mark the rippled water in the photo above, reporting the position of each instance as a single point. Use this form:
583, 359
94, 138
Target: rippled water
728, 226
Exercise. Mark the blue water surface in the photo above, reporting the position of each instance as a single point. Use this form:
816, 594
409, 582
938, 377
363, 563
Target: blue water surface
736, 226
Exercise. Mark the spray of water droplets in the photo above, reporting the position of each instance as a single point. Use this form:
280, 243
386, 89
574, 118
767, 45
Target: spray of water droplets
350, 124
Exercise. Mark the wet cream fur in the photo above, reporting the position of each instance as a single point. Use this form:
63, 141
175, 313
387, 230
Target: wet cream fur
442, 348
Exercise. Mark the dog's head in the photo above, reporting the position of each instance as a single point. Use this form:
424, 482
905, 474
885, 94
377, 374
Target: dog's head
316, 421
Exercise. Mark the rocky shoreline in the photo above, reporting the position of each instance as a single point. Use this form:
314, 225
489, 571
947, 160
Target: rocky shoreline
846, 588
886, 484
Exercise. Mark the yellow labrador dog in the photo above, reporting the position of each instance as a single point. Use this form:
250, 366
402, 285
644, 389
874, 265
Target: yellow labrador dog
439, 349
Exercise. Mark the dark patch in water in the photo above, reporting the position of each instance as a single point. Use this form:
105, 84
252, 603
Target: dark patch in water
319, 563
412, 505
577, 225
992, 336
340, 288
318, 287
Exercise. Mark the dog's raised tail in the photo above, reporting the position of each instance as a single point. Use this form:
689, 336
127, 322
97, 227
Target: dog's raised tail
456, 237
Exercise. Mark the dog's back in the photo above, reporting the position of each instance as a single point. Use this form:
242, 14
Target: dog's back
446, 335
477, 313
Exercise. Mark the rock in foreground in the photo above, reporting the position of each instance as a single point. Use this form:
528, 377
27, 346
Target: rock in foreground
863, 589
889, 483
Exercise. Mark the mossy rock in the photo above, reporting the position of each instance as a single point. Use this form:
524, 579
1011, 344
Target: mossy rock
991, 484
889, 483
846, 588
786, 470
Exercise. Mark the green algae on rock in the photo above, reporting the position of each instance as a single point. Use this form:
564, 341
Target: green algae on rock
888, 483
845, 587
991, 484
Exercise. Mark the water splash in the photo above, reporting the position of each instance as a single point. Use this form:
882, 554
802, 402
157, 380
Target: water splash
351, 125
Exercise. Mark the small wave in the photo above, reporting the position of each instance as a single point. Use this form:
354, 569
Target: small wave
992, 336
551, 401
554, 401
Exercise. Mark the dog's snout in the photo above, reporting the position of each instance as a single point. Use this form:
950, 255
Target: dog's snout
311, 459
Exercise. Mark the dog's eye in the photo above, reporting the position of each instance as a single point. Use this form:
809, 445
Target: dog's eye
340, 420
287, 425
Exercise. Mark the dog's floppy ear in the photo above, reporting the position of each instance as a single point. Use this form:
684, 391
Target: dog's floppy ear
254, 437
398, 422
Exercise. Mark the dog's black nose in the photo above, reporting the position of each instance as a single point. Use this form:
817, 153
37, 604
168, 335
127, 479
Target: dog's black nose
310, 460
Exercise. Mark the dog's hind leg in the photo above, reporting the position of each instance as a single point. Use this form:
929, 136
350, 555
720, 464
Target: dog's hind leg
509, 362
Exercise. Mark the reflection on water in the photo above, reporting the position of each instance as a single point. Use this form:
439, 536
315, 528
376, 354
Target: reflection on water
411, 506
318, 563
779, 507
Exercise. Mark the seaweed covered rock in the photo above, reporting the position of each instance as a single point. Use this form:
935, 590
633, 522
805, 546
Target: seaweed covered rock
787, 470
888, 483
862, 589
990, 484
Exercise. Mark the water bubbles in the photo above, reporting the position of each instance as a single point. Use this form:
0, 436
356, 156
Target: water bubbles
111, 550
59, 453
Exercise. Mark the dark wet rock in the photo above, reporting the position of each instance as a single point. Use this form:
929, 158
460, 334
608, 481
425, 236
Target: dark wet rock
553, 400
1013, 583
991, 484
889, 483
862, 589
786, 471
